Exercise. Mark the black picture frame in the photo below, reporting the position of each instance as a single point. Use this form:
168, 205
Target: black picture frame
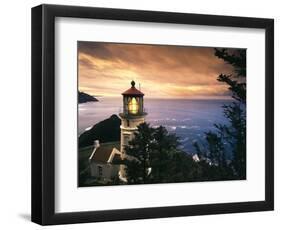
43, 114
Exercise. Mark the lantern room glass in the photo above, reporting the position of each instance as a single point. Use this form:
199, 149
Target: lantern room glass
133, 106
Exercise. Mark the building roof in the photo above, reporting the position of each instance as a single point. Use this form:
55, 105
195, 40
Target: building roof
102, 154
133, 91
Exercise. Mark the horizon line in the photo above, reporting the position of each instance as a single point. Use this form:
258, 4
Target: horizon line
174, 98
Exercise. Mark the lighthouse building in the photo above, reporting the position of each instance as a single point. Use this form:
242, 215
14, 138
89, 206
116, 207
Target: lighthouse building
132, 115
106, 159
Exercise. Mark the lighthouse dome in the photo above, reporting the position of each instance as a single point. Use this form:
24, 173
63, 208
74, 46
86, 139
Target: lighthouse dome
133, 91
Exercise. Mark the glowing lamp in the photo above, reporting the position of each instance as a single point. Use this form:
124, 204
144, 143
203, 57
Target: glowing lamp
133, 106
133, 101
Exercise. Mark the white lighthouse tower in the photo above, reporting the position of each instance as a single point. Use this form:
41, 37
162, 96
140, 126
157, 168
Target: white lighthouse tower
132, 115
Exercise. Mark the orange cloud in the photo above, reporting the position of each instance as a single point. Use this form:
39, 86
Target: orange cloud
163, 71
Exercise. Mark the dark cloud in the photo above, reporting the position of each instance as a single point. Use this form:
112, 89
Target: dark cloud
94, 49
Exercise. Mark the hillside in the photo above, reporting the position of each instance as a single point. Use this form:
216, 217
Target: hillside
105, 131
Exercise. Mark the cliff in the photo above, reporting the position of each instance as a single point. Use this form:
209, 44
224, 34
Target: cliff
105, 131
84, 97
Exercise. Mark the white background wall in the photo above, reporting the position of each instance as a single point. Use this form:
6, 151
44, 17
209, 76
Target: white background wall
15, 118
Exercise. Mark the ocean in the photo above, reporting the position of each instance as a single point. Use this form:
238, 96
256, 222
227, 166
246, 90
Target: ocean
189, 119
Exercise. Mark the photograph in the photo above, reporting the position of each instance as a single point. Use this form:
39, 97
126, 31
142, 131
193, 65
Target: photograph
174, 108
152, 114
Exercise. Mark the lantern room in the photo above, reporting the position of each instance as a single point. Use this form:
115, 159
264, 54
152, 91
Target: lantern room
133, 101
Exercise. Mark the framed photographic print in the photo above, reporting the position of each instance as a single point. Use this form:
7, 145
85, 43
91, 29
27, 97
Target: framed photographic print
141, 114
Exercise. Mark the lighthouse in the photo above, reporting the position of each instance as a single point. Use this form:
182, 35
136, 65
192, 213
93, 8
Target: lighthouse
132, 115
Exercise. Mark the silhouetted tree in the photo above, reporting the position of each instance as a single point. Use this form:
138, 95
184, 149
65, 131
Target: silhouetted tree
154, 156
232, 134
164, 148
139, 150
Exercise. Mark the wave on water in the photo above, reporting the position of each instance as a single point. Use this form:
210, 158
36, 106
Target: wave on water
88, 128
188, 119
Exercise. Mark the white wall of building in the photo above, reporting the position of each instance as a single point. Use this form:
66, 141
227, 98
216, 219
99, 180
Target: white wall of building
109, 171
128, 128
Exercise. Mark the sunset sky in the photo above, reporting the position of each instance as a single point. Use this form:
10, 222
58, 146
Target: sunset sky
106, 69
